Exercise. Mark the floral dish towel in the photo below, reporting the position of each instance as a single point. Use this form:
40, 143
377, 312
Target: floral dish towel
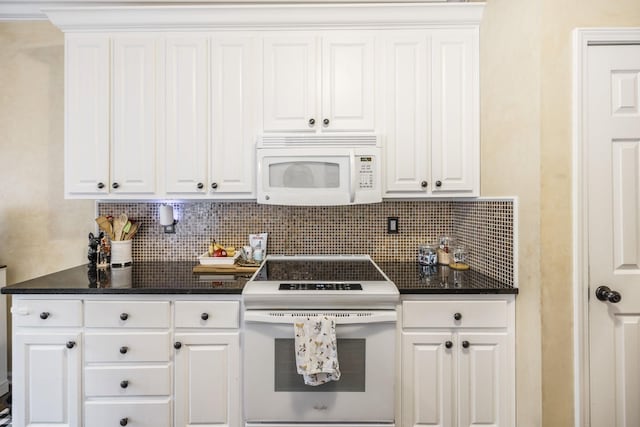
316, 349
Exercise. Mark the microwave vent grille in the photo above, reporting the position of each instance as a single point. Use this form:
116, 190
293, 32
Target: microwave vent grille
370, 140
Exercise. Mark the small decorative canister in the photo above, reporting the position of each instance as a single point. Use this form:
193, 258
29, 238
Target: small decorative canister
444, 250
427, 255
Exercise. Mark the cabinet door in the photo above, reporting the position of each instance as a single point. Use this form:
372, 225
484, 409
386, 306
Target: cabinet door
233, 89
186, 122
46, 379
133, 144
348, 82
207, 380
290, 80
427, 379
407, 143
483, 381
87, 114
455, 128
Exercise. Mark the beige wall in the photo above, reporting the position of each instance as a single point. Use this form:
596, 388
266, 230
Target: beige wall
40, 232
526, 152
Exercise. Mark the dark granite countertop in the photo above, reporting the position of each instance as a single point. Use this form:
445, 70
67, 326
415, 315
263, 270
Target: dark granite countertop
178, 278
140, 278
412, 278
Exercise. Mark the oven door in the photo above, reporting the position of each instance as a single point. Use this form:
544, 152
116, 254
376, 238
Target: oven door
275, 392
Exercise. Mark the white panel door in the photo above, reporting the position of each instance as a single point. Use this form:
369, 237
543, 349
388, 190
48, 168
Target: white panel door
348, 82
87, 114
233, 89
407, 144
427, 379
46, 379
290, 83
483, 385
207, 380
133, 144
186, 122
613, 147
455, 125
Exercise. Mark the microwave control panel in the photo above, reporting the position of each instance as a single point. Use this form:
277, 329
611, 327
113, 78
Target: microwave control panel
366, 172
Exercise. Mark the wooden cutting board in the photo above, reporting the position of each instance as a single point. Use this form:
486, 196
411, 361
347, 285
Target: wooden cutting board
228, 269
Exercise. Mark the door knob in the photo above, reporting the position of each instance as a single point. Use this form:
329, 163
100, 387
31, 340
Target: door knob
325, 122
124, 349
312, 122
603, 293
466, 344
448, 344
124, 316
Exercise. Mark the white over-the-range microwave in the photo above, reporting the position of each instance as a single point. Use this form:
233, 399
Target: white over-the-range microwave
318, 170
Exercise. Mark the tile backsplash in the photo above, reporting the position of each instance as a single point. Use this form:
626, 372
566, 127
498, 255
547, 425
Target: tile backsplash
485, 227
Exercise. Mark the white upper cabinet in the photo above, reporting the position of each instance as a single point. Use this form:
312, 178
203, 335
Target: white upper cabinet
321, 81
87, 115
133, 145
432, 141
186, 114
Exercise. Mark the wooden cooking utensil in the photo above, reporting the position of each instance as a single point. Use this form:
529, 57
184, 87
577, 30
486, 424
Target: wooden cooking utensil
132, 231
105, 225
118, 224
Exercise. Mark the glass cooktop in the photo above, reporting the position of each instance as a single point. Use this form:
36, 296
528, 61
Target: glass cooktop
325, 271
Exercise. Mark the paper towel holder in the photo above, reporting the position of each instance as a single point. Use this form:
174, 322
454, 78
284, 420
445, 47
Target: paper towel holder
167, 220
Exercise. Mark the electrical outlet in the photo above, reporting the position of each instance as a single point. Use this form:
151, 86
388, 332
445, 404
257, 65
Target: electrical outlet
392, 225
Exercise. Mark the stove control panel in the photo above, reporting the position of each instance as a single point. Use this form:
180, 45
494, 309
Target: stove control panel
320, 287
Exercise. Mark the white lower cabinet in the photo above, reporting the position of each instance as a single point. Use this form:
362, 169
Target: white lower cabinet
458, 363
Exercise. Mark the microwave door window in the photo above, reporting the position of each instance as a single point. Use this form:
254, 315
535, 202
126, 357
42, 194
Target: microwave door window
304, 175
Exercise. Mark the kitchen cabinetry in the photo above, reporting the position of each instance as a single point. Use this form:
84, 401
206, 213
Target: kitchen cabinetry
432, 145
319, 81
207, 363
458, 362
47, 363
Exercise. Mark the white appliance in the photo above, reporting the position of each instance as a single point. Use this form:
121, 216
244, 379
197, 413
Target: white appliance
322, 170
362, 300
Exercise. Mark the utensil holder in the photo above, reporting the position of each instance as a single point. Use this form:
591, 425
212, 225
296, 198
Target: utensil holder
121, 253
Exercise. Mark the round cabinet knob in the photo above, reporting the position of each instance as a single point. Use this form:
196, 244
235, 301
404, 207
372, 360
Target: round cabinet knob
115, 185
71, 344
448, 344
177, 345
124, 421
124, 316
603, 293
214, 185
312, 122
124, 349
200, 186
100, 186
457, 316
438, 183
124, 384
465, 344
44, 315
424, 184
204, 316
325, 122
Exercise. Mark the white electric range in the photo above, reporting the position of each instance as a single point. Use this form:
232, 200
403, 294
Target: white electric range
358, 295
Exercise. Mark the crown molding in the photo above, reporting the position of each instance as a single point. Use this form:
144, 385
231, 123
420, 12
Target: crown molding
92, 15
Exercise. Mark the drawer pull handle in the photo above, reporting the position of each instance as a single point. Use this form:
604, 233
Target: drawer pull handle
44, 315
204, 316
177, 345
124, 316
448, 344
71, 344
124, 421
124, 349
124, 384
457, 316
465, 344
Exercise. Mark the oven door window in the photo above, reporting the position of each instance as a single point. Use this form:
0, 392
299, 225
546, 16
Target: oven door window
304, 174
351, 357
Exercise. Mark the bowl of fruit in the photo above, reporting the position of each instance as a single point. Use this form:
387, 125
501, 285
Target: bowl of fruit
219, 255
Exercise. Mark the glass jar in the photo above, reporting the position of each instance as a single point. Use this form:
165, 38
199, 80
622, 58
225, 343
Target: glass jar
427, 254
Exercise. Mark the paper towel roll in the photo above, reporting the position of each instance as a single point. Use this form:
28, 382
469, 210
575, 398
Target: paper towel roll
166, 215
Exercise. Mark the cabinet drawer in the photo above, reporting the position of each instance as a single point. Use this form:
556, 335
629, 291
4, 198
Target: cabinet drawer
442, 314
136, 414
101, 381
207, 314
127, 314
47, 313
127, 347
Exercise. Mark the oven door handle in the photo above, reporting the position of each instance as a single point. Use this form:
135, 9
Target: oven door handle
342, 318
